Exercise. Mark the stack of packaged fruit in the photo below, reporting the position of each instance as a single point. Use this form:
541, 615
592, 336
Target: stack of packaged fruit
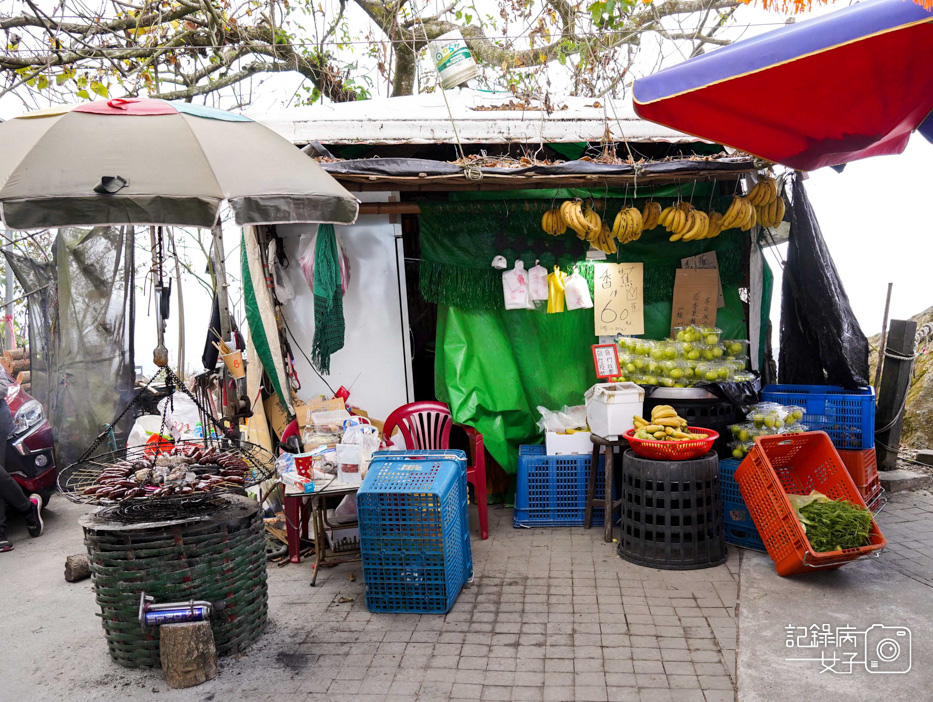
763, 419
694, 355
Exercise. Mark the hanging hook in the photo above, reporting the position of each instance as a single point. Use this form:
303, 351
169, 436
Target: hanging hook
712, 192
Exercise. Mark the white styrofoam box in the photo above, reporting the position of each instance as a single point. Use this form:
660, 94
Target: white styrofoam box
343, 539
565, 444
610, 407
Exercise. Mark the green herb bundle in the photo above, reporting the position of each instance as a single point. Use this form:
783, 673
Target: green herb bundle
832, 525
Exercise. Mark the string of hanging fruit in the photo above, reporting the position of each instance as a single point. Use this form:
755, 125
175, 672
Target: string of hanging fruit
761, 206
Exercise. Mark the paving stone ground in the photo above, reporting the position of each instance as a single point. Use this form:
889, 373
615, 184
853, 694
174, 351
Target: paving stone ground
552, 614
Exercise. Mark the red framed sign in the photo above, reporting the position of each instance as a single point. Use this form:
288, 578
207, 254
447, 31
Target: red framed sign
606, 360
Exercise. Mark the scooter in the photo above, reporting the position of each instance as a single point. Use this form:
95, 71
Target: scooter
30, 453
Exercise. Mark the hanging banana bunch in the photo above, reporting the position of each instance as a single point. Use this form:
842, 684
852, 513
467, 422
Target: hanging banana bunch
628, 225
553, 223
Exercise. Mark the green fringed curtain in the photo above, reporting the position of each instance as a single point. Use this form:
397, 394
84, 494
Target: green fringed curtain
460, 239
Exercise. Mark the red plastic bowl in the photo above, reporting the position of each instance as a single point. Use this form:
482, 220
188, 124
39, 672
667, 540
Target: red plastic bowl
673, 450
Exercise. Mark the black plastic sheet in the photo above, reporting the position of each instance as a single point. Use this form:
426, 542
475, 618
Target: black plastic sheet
821, 341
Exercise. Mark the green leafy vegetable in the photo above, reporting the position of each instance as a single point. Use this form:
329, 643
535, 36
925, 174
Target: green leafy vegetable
832, 525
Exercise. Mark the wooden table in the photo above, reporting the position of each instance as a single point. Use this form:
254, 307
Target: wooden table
297, 517
608, 504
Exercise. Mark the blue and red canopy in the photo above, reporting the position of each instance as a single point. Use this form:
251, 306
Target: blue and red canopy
848, 85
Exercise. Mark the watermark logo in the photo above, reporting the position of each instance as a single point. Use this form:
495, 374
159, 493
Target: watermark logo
842, 650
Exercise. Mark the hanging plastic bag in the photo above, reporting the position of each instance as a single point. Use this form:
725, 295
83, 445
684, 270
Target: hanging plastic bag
515, 288
306, 248
143, 428
577, 292
537, 282
555, 291
284, 290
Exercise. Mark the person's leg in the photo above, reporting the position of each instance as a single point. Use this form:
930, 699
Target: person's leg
10, 492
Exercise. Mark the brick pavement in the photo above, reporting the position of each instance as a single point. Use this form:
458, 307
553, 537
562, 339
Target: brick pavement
552, 614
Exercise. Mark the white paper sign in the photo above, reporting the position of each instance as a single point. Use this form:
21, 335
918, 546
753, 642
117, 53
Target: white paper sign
619, 305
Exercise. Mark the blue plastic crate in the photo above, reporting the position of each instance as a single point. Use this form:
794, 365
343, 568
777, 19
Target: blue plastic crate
848, 416
741, 535
414, 531
551, 490
737, 518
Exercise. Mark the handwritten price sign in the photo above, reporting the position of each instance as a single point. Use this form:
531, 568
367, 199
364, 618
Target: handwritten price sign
619, 305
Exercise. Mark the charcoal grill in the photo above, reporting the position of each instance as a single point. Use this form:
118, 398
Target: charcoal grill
259, 466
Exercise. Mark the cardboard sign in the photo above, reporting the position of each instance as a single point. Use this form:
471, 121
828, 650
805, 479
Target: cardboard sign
694, 297
705, 260
606, 359
619, 305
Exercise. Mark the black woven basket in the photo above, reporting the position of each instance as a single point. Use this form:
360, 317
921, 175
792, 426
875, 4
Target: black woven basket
217, 555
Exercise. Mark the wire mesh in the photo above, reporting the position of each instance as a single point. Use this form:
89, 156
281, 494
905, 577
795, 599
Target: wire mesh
184, 470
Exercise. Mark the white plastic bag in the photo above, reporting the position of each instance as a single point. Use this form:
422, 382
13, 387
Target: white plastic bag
537, 282
515, 288
346, 510
563, 419
366, 438
143, 428
182, 418
577, 292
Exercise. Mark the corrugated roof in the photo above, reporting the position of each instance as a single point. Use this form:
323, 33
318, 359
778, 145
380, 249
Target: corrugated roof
480, 117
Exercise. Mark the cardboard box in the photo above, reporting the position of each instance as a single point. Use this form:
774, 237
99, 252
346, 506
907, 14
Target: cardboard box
567, 444
610, 408
298, 482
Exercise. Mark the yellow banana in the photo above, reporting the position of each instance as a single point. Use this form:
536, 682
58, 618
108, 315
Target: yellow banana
735, 211
779, 213
659, 435
665, 217
668, 421
650, 215
638, 221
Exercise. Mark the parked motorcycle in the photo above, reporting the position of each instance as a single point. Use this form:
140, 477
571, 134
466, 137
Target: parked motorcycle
30, 454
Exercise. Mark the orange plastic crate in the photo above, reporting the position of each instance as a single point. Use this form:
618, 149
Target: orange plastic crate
862, 466
797, 464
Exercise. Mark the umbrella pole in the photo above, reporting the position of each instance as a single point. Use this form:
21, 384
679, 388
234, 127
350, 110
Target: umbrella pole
231, 399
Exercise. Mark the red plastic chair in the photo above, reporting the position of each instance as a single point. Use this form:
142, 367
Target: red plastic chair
426, 425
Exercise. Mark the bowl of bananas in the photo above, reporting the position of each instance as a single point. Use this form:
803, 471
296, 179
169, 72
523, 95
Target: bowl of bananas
667, 437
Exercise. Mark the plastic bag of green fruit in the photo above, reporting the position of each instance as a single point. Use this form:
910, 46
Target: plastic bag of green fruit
697, 334
714, 371
740, 449
746, 431
794, 414
736, 347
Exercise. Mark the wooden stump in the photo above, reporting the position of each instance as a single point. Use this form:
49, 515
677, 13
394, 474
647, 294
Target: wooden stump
187, 653
77, 568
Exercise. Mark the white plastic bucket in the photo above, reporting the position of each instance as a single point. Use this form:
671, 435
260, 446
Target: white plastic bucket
453, 59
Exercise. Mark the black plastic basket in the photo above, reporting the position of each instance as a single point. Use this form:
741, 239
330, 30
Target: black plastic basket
671, 513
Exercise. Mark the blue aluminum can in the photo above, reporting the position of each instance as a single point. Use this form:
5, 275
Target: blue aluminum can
177, 615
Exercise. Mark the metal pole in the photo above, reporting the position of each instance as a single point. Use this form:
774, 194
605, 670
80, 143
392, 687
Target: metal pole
220, 276
8, 339
884, 339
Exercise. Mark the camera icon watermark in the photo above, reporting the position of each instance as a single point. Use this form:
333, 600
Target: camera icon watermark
842, 650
